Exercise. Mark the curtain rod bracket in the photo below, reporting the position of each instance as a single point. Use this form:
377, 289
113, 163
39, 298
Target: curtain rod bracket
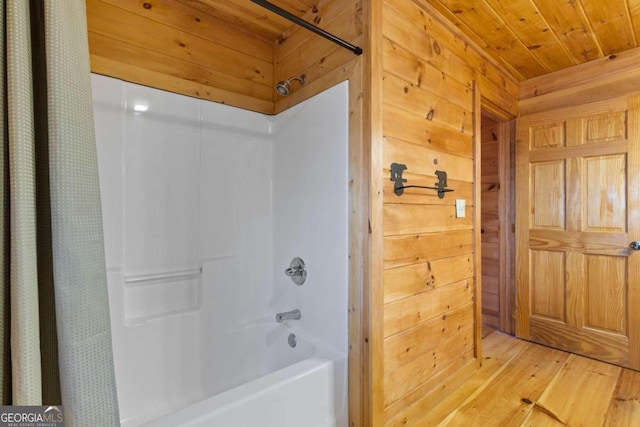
319, 31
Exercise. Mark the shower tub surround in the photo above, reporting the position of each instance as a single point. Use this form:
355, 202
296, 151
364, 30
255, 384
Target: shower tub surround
204, 207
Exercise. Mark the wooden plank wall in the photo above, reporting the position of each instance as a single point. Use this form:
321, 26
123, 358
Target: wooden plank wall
172, 46
299, 52
180, 47
429, 322
606, 78
491, 273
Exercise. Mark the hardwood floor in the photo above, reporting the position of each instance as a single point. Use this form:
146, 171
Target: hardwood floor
525, 384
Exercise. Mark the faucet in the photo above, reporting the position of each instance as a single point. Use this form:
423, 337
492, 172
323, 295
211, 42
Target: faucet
288, 315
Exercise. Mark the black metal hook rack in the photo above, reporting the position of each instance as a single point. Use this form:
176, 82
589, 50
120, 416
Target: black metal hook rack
319, 31
396, 175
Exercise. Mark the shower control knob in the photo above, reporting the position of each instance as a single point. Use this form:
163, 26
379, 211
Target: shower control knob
297, 271
635, 245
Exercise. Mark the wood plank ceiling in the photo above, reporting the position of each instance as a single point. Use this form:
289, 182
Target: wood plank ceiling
535, 37
528, 37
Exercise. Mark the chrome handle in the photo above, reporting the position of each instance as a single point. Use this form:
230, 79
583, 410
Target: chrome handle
635, 245
294, 271
297, 271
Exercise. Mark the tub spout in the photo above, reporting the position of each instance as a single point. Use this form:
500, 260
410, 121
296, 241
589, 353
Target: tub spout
288, 315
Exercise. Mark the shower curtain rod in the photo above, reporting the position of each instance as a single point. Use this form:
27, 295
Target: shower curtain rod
319, 31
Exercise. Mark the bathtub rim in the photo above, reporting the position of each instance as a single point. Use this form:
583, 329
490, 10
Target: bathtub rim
238, 395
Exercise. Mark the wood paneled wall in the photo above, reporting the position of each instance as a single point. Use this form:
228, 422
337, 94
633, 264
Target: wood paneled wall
299, 52
429, 255
606, 78
180, 46
170, 45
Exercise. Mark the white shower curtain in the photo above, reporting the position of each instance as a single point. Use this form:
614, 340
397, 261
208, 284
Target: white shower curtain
55, 333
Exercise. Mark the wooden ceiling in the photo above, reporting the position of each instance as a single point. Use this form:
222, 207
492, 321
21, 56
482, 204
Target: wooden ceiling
535, 37
528, 37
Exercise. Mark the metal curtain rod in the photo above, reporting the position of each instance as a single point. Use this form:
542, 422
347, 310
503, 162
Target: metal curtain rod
319, 31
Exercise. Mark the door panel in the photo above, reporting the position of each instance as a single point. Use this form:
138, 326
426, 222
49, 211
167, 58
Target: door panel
606, 310
606, 127
578, 199
547, 195
547, 282
606, 193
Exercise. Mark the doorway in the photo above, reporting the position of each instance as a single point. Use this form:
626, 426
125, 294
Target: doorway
498, 221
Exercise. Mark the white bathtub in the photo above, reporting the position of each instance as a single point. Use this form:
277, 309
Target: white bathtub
299, 395
254, 378
238, 355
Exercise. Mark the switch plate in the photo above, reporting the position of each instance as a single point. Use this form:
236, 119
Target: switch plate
460, 208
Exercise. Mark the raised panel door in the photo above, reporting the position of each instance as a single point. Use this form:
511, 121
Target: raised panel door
578, 198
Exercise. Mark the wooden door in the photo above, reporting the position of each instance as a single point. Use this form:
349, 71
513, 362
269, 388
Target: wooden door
578, 201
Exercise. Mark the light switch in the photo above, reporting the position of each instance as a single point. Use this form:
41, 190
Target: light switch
460, 208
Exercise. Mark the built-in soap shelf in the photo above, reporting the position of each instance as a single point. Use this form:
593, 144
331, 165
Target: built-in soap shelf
156, 295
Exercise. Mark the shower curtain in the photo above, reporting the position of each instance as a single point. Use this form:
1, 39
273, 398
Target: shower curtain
55, 337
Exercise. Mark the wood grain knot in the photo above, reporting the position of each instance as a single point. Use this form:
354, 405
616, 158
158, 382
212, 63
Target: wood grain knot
436, 47
430, 115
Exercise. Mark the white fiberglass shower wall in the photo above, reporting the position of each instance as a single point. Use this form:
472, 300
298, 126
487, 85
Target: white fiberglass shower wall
204, 206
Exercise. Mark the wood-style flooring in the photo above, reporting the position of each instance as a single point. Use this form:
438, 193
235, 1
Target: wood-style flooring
525, 384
